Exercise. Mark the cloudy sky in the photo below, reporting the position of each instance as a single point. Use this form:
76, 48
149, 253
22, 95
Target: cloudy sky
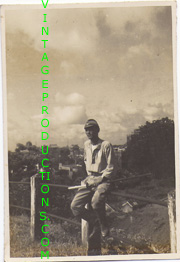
110, 64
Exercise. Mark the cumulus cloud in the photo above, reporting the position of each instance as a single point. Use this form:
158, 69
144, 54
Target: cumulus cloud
70, 99
70, 114
75, 99
71, 108
157, 111
111, 64
68, 109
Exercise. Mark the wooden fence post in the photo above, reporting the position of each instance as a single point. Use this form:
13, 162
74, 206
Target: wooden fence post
36, 223
172, 221
92, 243
84, 232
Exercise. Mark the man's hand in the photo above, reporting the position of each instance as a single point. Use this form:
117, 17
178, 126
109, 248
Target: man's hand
92, 181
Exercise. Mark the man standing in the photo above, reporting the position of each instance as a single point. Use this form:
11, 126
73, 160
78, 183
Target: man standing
100, 166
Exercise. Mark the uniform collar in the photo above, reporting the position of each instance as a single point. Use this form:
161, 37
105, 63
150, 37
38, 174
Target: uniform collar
97, 146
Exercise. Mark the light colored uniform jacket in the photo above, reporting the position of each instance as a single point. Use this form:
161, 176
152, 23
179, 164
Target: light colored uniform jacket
99, 160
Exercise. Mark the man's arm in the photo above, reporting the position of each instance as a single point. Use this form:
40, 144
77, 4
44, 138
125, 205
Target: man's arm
109, 171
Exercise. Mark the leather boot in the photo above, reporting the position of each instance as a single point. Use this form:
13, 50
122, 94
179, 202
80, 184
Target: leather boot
87, 215
101, 215
92, 220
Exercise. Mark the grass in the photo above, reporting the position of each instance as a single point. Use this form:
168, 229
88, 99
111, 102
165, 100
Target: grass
65, 240
60, 242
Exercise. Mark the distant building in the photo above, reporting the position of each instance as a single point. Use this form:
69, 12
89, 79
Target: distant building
70, 170
118, 149
127, 207
25, 151
53, 146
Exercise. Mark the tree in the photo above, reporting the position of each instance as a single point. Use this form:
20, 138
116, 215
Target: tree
20, 147
28, 144
151, 148
20, 158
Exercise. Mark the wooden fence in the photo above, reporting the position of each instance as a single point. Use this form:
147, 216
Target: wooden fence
93, 244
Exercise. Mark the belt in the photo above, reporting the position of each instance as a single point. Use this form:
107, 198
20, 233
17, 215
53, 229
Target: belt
95, 173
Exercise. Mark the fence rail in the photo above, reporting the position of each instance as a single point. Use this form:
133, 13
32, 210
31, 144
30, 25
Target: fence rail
18, 182
50, 215
25, 208
149, 200
54, 185
64, 219
66, 186
132, 177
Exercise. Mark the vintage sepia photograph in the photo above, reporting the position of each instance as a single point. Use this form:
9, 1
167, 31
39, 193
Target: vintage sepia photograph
90, 131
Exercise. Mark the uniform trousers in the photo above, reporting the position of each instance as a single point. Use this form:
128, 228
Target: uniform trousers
96, 197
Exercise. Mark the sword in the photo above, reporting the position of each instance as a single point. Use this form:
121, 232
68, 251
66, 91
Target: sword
112, 181
77, 187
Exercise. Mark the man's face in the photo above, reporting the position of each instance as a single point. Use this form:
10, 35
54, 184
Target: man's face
92, 132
